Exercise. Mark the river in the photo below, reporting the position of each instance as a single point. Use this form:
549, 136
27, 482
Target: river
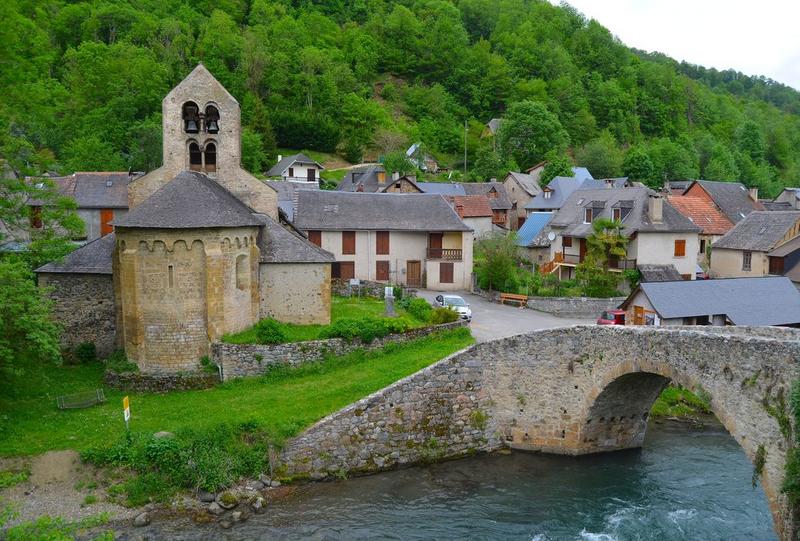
686, 483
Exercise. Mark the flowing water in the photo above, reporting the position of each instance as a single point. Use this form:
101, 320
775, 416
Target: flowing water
686, 483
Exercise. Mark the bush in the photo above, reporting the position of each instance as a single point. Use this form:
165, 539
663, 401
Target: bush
442, 315
118, 362
419, 308
269, 331
367, 328
85, 353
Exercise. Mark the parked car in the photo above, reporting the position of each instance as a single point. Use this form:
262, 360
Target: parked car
454, 302
700, 274
612, 317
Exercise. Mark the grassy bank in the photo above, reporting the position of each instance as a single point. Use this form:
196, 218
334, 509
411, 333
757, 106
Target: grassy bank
281, 403
676, 401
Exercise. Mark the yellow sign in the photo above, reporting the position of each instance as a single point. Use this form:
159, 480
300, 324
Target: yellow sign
126, 409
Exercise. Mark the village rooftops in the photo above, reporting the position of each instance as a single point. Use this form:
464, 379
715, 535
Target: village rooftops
472, 206
633, 204
526, 181
286, 162
733, 198
761, 231
659, 273
281, 245
498, 202
341, 211
99, 190
702, 212
92, 258
190, 200
558, 190
533, 232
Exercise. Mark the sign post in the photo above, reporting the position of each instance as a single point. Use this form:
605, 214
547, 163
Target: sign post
126, 412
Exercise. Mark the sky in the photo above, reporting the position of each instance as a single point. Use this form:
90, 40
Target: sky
754, 37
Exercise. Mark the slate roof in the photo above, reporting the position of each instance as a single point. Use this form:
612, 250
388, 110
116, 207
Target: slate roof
501, 202
581, 173
190, 200
782, 250
745, 301
366, 176
732, 198
659, 273
92, 258
560, 190
442, 188
92, 189
287, 194
533, 231
280, 168
570, 216
337, 211
280, 245
761, 231
702, 212
526, 181
472, 206
777, 205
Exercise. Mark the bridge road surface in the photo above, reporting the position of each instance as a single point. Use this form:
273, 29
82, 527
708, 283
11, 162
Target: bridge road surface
491, 320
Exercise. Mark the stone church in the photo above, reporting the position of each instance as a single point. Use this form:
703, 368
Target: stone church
202, 251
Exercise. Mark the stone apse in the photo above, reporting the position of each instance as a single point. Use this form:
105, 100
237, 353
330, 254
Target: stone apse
573, 390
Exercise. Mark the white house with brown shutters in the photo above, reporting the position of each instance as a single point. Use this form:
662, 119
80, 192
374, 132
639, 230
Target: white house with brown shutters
416, 240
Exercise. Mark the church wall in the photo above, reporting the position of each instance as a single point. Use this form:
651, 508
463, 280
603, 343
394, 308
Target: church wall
83, 304
296, 292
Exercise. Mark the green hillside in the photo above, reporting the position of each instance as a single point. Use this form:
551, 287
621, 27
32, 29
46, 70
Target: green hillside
81, 85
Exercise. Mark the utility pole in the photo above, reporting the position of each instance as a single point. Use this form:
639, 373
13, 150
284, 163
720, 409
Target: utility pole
465, 146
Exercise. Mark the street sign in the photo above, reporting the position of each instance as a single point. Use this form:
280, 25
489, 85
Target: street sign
126, 410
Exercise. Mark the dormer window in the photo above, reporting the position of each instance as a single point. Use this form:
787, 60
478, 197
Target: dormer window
547, 194
212, 119
587, 215
616, 214
191, 117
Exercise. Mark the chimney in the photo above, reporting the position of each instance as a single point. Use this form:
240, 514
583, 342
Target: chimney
754, 194
396, 175
460, 210
609, 183
655, 208
280, 157
381, 177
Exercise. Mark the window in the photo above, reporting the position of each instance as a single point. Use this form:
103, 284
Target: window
171, 275
445, 273
211, 157
212, 119
291, 172
547, 194
702, 246
36, 217
747, 258
680, 248
382, 271
191, 117
566, 242
344, 270
587, 216
195, 157
348, 242
315, 237
242, 272
382, 243
616, 214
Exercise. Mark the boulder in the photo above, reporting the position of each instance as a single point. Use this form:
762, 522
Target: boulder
206, 497
142, 519
215, 509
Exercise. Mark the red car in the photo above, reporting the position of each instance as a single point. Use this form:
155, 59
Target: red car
612, 317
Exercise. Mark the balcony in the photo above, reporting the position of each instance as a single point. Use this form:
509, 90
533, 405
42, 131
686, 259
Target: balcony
448, 254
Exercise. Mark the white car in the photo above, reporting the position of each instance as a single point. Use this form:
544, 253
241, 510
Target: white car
454, 302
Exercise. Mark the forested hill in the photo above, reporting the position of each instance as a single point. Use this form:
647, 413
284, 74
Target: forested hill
81, 85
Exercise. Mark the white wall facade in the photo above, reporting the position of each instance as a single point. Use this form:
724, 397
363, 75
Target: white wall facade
300, 172
659, 249
481, 226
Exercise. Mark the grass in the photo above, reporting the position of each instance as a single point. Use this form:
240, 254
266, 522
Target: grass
676, 401
281, 403
342, 307
10, 478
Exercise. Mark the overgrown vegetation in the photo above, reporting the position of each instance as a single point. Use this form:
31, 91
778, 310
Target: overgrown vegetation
11, 478
47, 528
676, 401
791, 481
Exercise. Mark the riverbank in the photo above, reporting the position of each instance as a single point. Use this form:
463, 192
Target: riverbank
679, 404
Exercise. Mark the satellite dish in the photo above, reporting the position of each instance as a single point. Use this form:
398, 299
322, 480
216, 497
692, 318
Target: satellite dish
551, 236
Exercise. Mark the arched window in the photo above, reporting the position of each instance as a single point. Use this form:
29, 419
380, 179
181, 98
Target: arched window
191, 117
195, 157
242, 272
211, 157
212, 119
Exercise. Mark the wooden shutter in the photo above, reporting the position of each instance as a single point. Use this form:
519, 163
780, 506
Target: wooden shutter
680, 248
566, 242
106, 215
349, 242
446, 273
315, 237
347, 270
382, 243
382, 271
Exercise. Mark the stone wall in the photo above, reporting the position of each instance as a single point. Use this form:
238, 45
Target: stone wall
367, 288
574, 306
239, 360
84, 305
296, 292
159, 383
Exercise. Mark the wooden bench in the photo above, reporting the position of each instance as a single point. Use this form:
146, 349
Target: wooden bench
521, 300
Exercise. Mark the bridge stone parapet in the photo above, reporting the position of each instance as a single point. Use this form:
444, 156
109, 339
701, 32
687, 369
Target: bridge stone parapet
573, 390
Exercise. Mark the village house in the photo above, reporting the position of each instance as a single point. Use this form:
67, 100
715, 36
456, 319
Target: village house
287, 195
296, 168
498, 200
657, 233
747, 249
789, 199
416, 240
738, 301
476, 212
199, 254
553, 196
733, 199
532, 238
522, 188
706, 215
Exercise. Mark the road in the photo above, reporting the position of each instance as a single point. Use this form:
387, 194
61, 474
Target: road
491, 320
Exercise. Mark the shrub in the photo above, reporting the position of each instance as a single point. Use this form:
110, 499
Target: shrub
85, 353
419, 308
269, 331
118, 362
397, 291
367, 328
442, 315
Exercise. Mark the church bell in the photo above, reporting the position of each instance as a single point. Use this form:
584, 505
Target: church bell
191, 126
213, 127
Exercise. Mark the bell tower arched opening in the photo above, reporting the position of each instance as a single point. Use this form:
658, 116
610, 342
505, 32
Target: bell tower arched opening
191, 117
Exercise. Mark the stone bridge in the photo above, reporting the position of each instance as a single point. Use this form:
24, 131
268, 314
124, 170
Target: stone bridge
573, 390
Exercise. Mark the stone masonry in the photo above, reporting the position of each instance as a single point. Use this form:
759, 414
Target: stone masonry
573, 390
239, 360
574, 306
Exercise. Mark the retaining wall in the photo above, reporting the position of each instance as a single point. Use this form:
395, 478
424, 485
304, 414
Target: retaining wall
160, 383
574, 306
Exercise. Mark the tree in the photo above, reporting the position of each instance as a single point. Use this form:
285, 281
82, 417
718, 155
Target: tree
638, 166
558, 165
528, 132
606, 242
497, 256
601, 156
27, 331
90, 153
397, 161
